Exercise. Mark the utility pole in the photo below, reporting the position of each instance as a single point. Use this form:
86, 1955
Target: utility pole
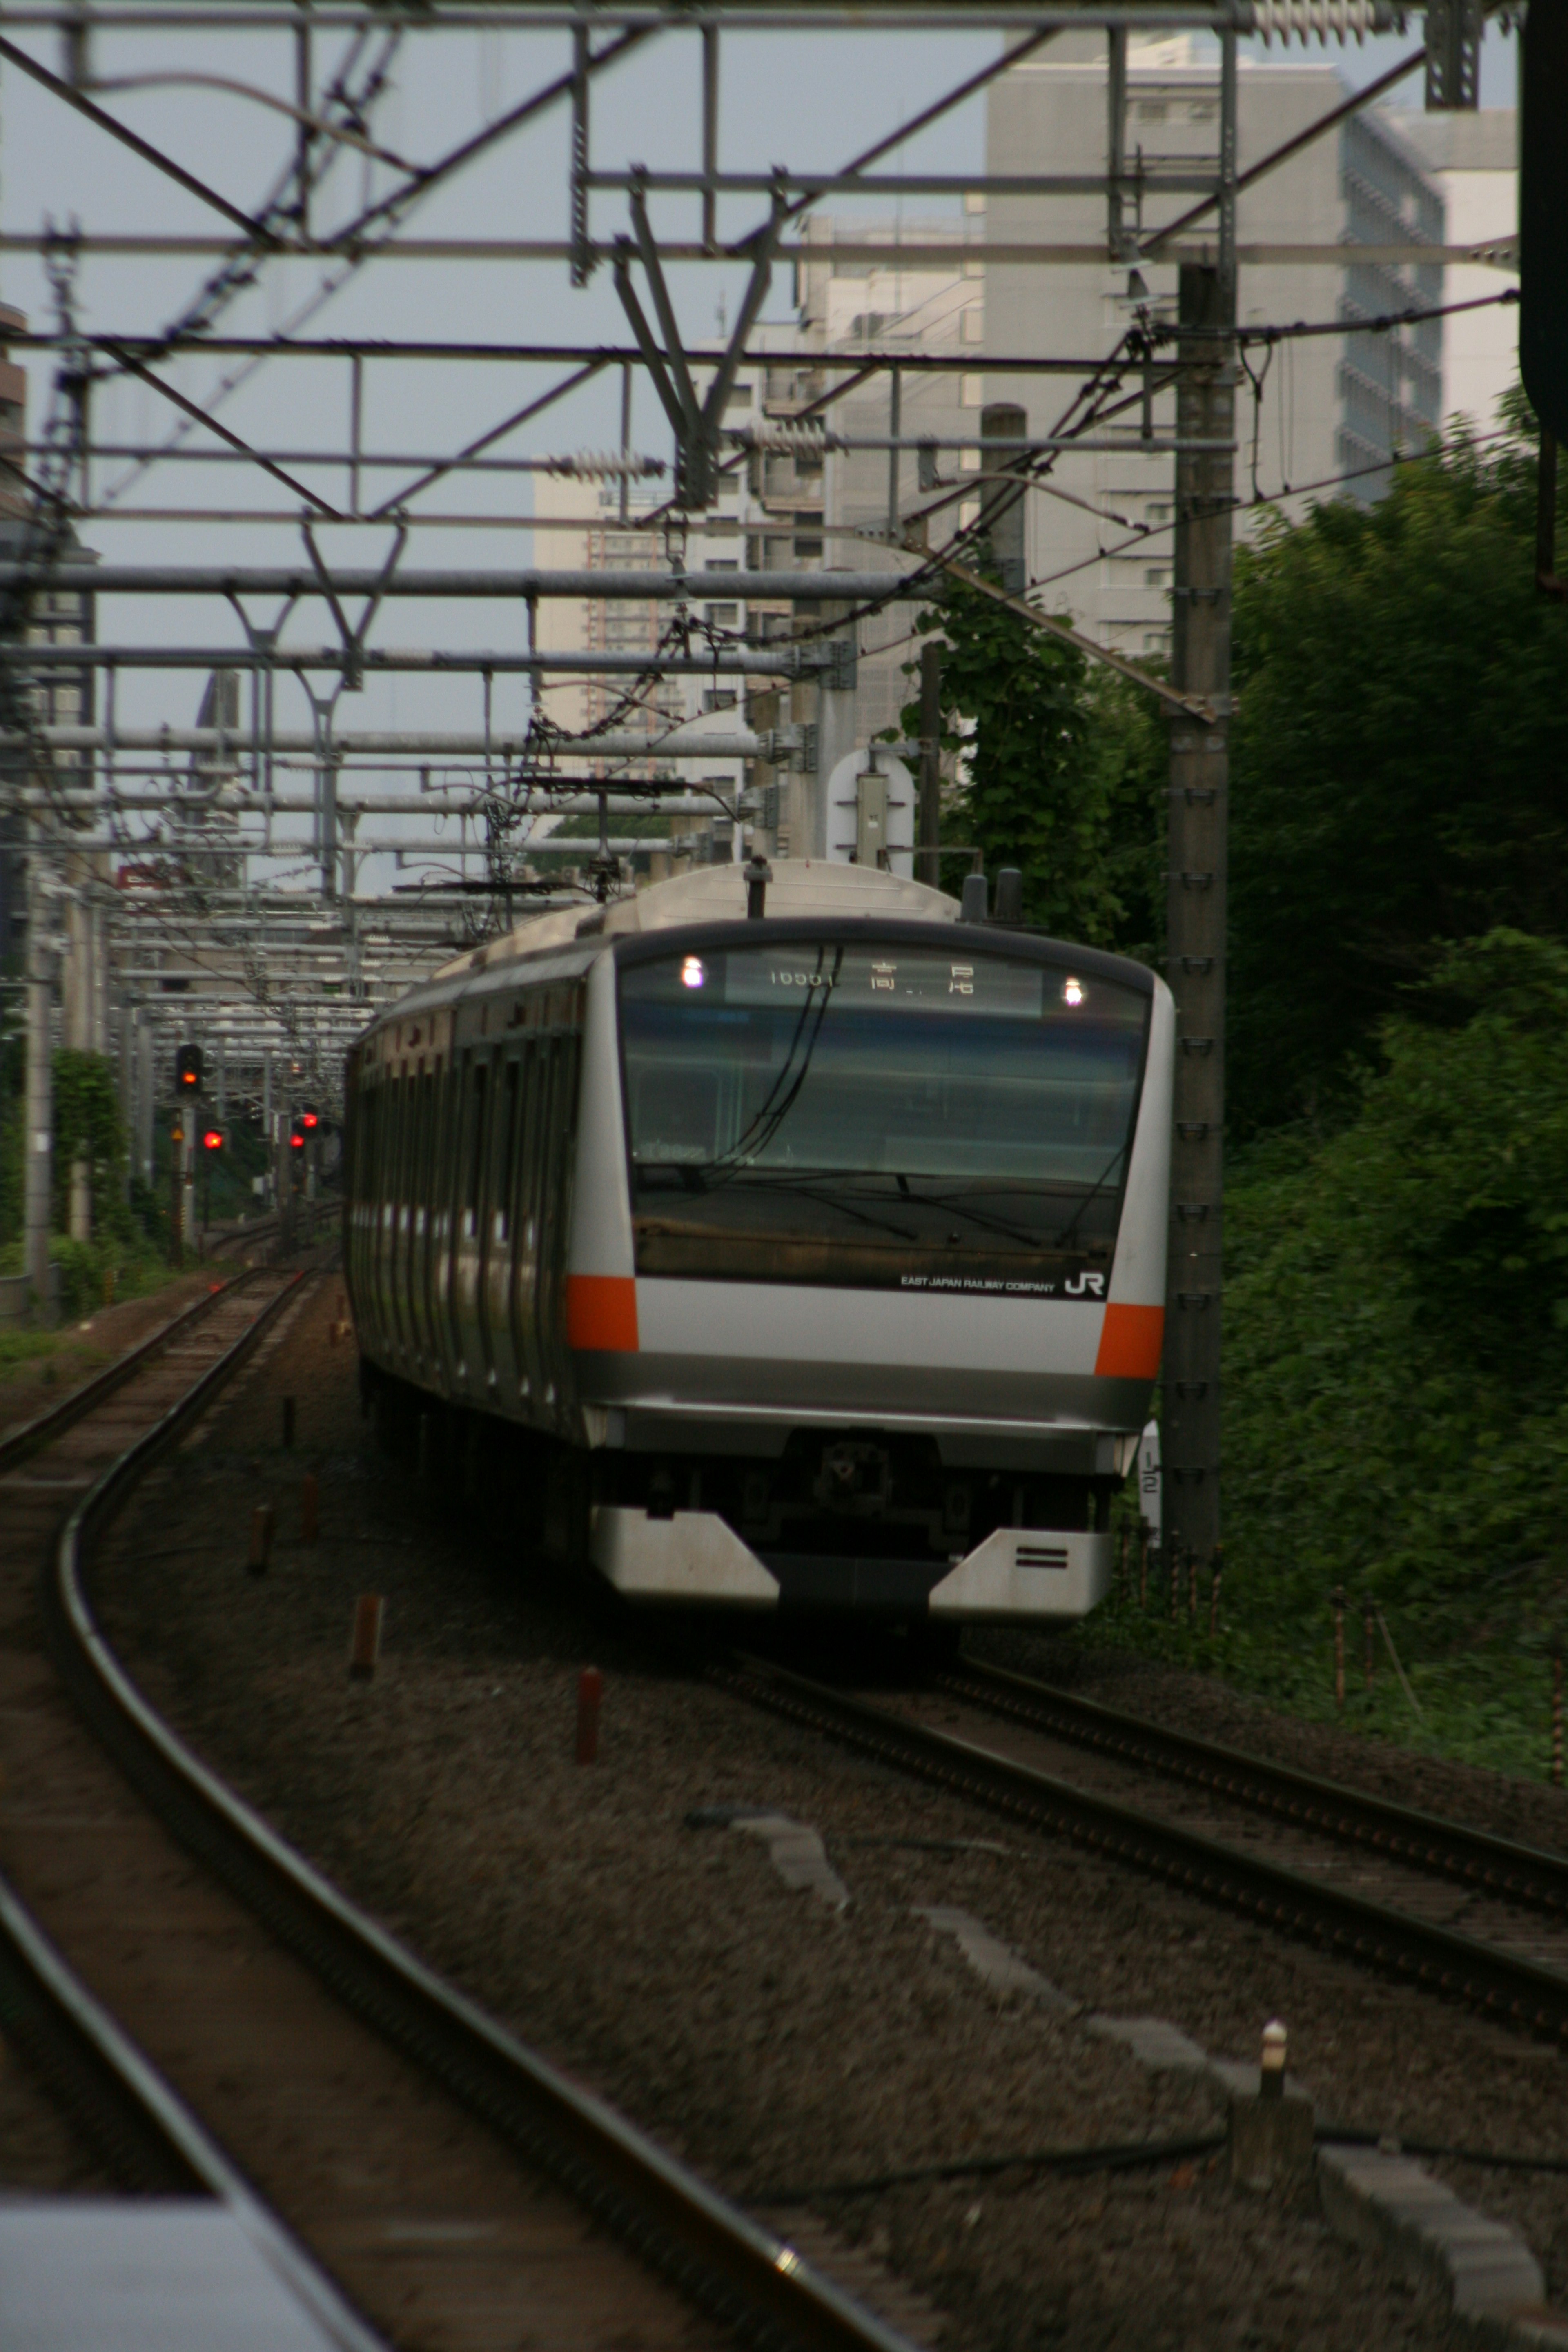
38, 1182
177, 1186
1195, 910
835, 716
928, 864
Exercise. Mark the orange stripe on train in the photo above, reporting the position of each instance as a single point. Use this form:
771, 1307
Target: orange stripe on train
601, 1313
1130, 1343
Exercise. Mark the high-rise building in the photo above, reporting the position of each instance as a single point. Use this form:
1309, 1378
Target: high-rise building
1331, 409
1473, 160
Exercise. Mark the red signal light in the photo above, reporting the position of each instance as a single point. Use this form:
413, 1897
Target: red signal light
212, 1139
296, 1141
309, 1119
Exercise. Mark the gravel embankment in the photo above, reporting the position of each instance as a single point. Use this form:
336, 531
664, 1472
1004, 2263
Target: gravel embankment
776, 2044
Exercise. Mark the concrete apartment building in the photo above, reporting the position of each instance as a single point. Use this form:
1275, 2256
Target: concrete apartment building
1335, 407
1473, 161
790, 502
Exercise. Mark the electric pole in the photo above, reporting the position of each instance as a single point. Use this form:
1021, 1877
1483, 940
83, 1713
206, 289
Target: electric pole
38, 1156
1195, 910
929, 862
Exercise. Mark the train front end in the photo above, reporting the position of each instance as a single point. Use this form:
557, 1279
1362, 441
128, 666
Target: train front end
866, 1273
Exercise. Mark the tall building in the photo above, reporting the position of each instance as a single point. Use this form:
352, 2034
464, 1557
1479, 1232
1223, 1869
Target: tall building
1334, 407
1473, 159
61, 697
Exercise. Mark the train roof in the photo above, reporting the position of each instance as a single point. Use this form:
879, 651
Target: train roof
717, 894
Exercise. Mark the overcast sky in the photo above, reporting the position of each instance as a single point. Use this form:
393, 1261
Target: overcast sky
812, 101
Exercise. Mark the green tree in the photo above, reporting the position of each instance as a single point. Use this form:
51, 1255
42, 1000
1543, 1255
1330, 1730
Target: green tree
1400, 769
1397, 1320
1058, 760
88, 1126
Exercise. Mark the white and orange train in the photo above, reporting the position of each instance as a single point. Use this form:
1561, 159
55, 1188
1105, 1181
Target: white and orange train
814, 1256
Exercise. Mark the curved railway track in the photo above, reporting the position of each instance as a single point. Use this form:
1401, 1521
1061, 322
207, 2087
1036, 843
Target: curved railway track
417, 2173
1474, 1860
1471, 1917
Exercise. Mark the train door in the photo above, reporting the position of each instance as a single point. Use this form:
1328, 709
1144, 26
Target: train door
441, 1222
473, 1136
391, 1213
402, 1214
525, 1233
424, 1188
495, 1228
557, 1133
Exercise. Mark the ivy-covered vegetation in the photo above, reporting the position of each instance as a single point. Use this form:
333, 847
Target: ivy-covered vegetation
1396, 1311
1059, 760
126, 1252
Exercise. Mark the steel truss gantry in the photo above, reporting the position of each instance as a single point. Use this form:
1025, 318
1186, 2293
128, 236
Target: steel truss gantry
152, 834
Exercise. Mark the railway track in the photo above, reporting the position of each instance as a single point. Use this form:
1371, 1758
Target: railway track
416, 2173
1469, 1915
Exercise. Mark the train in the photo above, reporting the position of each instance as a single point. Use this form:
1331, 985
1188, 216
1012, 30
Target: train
788, 1238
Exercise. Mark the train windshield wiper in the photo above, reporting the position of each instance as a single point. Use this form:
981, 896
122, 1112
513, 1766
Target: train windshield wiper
826, 1188
955, 1204
1098, 1186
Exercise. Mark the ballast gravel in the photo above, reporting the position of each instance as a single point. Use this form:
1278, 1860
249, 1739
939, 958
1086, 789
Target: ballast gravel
782, 2045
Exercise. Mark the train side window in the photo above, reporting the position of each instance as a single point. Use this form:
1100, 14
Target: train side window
443, 1123
391, 1191
533, 1152
473, 1172
506, 1153
427, 1128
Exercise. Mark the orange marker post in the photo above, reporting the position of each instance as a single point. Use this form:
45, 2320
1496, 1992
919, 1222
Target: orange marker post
262, 1520
364, 1650
590, 1691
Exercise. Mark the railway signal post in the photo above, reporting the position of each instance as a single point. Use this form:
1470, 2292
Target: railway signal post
1195, 912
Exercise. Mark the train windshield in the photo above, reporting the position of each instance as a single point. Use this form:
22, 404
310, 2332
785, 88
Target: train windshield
849, 1113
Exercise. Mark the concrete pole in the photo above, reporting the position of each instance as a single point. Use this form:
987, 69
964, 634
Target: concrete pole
100, 941
1196, 916
146, 1097
836, 725
38, 1139
77, 994
1002, 507
928, 864
283, 1182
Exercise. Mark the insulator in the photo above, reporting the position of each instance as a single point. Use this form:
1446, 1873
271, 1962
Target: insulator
603, 466
783, 437
1324, 20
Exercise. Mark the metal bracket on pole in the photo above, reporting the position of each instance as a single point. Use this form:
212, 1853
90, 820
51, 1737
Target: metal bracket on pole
695, 425
1454, 30
262, 692
582, 251
1227, 105
710, 137
1121, 247
354, 639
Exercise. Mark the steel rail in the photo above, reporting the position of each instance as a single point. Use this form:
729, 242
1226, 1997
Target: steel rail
728, 2265
19, 1443
148, 2132
1517, 1991
1477, 1858
298, 581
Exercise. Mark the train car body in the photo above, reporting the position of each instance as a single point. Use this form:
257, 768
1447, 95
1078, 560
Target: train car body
821, 1256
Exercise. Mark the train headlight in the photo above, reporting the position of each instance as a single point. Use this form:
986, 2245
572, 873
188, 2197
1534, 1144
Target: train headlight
1072, 991
691, 973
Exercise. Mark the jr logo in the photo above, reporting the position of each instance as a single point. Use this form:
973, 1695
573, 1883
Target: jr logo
1084, 1286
